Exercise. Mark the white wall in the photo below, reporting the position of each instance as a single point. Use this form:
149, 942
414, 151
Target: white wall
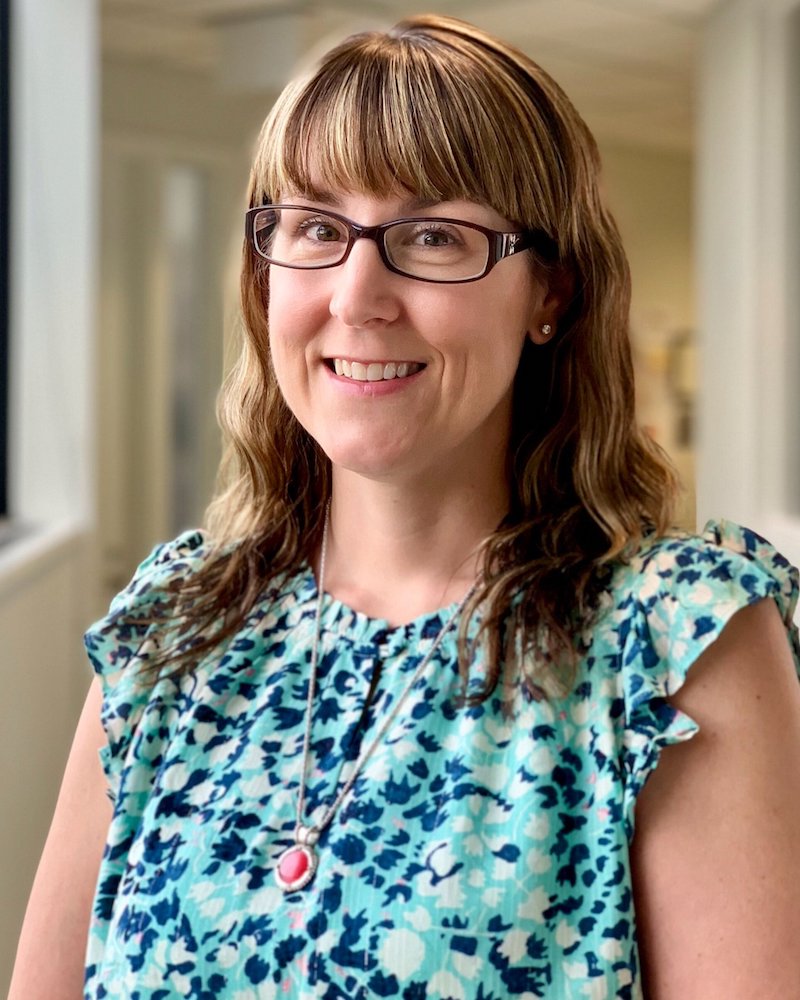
54, 190
749, 259
46, 597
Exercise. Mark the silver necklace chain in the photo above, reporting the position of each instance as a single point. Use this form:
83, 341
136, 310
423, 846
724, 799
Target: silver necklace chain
312, 833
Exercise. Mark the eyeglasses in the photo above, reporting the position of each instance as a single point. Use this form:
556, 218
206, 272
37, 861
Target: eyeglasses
428, 249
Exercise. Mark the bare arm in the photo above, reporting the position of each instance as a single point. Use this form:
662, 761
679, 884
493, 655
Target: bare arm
52, 945
716, 853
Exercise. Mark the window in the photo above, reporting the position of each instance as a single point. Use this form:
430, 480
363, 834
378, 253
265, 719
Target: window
5, 171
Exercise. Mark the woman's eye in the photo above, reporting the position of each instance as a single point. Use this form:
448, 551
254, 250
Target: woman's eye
320, 230
435, 236
325, 233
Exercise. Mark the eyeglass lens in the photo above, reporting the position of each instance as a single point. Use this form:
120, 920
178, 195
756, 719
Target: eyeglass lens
422, 248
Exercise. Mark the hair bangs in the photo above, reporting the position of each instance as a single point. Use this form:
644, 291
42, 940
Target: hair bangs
389, 117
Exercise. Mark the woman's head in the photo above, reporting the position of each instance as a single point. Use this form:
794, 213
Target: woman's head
437, 109
440, 109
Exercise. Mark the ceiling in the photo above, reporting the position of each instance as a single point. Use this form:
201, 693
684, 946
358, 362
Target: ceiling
629, 65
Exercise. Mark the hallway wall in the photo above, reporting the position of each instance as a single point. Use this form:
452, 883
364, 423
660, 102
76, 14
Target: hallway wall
46, 579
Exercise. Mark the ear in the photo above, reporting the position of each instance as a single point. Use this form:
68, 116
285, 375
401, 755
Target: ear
550, 306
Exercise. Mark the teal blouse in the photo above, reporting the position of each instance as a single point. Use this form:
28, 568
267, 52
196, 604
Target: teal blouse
483, 852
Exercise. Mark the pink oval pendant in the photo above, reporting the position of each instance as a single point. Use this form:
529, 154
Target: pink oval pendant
296, 867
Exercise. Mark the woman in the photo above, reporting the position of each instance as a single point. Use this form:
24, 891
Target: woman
384, 730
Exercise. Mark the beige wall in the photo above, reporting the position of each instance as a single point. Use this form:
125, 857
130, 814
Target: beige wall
651, 194
44, 608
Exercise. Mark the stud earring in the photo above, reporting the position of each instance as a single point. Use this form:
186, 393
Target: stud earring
546, 330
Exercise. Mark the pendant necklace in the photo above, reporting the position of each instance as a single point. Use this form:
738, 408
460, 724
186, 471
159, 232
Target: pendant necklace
297, 865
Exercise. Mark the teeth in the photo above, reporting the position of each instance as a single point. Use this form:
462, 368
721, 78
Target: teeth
375, 371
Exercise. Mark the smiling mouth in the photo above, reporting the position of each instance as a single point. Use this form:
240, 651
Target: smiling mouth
374, 371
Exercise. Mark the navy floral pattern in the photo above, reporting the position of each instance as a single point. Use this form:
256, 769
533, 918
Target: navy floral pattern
483, 852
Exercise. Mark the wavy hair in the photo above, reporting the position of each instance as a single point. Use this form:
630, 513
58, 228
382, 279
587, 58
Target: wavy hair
444, 110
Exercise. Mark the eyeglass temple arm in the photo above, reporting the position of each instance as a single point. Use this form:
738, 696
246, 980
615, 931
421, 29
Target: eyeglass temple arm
508, 244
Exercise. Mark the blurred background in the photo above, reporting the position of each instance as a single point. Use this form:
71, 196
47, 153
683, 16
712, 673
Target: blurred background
128, 127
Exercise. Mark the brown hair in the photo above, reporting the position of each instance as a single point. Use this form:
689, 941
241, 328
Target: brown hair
448, 112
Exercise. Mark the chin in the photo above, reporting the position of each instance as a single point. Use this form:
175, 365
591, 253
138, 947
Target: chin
371, 462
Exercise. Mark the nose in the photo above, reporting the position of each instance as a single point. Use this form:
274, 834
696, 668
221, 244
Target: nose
364, 290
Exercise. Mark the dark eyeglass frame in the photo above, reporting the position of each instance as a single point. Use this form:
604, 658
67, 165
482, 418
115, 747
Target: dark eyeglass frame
501, 244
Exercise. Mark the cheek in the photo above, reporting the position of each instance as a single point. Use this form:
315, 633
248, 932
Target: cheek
290, 324
282, 309
286, 343
491, 333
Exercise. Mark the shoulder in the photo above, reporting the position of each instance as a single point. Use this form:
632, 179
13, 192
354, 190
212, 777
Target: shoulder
726, 810
117, 638
117, 645
726, 562
166, 563
665, 608
677, 592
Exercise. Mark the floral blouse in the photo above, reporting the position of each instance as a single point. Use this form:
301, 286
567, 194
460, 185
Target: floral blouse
483, 852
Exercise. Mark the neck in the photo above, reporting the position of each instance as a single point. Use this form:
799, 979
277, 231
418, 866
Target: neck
399, 551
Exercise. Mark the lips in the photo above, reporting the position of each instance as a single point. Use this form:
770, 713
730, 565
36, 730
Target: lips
374, 371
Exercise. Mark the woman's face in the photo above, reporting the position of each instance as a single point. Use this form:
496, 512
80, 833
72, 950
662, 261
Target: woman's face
460, 343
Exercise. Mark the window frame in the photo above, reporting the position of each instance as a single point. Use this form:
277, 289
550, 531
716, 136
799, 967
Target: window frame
5, 263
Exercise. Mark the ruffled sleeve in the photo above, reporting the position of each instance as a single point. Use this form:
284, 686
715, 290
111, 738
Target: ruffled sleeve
118, 646
683, 593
